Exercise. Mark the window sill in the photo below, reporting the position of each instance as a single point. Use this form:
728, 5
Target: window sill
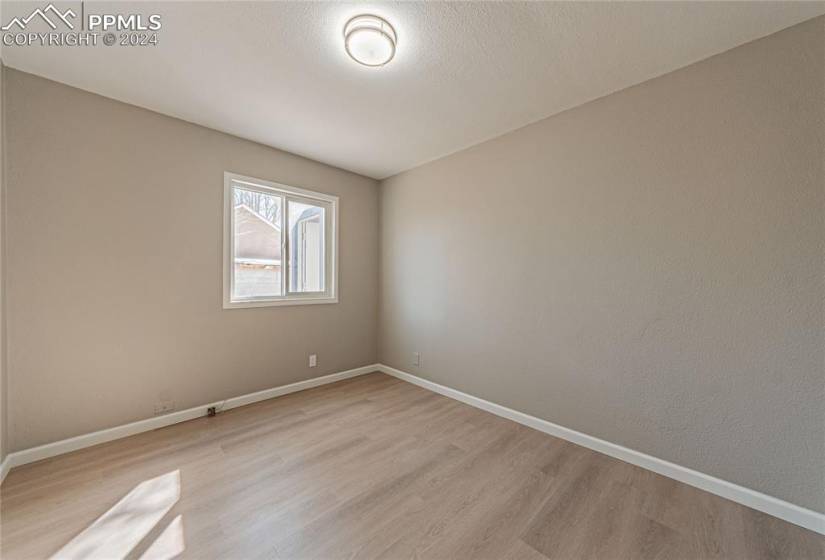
241, 304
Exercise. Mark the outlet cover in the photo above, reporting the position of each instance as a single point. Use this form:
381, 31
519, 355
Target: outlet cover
313, 360
416, 358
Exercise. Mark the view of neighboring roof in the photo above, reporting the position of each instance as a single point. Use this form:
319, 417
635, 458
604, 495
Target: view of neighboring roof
256, 238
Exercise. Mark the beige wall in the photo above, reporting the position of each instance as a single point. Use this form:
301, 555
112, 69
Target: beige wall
4, 439
114, 267
646, 268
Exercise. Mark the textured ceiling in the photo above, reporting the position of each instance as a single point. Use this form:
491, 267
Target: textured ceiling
277, 73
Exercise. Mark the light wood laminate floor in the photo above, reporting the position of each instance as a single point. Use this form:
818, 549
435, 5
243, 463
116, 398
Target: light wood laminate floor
371, 467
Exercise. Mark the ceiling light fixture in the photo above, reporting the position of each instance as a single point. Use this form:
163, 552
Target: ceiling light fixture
369, 40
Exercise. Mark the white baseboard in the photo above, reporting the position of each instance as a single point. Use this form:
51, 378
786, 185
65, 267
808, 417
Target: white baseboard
87, 440
797, 515
5, 467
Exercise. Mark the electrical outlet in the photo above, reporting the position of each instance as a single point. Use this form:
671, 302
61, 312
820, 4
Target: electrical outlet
416, 358
164, 407
313, 360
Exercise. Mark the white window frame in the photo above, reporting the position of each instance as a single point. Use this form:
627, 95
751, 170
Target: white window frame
330, 202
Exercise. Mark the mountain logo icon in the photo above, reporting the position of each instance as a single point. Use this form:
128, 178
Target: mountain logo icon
44, 14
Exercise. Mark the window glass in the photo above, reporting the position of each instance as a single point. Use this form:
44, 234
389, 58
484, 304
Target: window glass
306, 247
257, 265
280, 244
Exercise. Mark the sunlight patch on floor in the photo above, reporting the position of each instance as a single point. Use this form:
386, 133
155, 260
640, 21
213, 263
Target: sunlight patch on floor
169, 544
116, 533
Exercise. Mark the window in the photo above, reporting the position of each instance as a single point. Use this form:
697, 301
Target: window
279, 244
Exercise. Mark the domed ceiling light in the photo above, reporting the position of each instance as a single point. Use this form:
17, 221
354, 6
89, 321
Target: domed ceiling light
369, 40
